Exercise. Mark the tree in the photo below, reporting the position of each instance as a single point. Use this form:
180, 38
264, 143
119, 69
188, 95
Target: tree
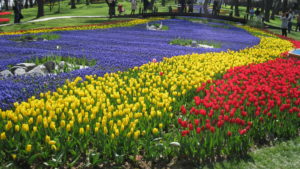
284, 6
275, 8
236, 7
6, 5
205, 8
249, 5
26, 4
268, 6
31, 3
87, 2
40, 4
73, 5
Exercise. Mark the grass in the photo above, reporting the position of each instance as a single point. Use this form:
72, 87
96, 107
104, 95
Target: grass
281, 155
100, 9
164, 27
57, 59
293, 34
57, 23
188, 42
47, 36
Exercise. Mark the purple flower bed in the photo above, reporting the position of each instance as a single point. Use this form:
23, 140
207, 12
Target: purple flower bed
113, 49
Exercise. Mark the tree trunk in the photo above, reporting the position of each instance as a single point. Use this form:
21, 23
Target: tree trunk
284, 6
268, 7
73, 5
30, 3
163, 2
87, 2
6, 5
205, 8
40, 4
276, 8
236, 8
58, 10
26, 4
249, 5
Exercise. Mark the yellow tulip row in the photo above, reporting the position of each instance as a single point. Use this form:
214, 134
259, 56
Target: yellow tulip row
85, 27
125, 104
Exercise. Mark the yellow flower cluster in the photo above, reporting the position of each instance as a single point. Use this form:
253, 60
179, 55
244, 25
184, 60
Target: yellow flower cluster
85, 27
125, 104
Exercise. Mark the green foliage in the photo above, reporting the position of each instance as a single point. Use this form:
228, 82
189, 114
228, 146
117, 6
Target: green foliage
164, 27
256, 23
34, 37
188, 42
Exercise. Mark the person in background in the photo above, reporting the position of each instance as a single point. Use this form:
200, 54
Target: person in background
284, 23
17, 11
290, 18
251, 12
298, 23
120, 9
133, 6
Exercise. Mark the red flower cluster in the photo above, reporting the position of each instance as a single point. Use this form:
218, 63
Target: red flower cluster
245, 95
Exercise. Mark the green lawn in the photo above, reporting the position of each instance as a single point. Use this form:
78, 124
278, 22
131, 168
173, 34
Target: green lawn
57, 23
283, 155
293, 34
100, 9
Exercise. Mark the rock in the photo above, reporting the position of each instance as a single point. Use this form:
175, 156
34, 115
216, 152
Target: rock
50, 66
40, 39
82, 67
26, 64
29, 38
61, 64
16, 67
194, 43
20, 71
6, 73
175, 144
40, 70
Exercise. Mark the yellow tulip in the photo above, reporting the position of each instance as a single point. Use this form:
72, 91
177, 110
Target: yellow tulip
3, 136
154, 130
81, 131
25, 127
28, 147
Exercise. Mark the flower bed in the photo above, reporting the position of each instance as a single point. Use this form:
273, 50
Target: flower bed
250, 104
114, 50
118, 115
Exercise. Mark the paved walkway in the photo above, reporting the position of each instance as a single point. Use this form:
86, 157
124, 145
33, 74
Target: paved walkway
51, 18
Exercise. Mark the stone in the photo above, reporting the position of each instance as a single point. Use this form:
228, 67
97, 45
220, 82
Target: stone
50, 66
82, 67
61, 64
20, 71
29, 38
40, 70
26, 64
175, 144
194, 44
6, 73
16, 67
40, 39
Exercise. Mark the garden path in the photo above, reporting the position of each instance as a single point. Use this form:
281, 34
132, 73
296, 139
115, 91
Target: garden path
57, 17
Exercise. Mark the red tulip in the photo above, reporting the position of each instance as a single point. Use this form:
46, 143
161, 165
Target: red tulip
229, 133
